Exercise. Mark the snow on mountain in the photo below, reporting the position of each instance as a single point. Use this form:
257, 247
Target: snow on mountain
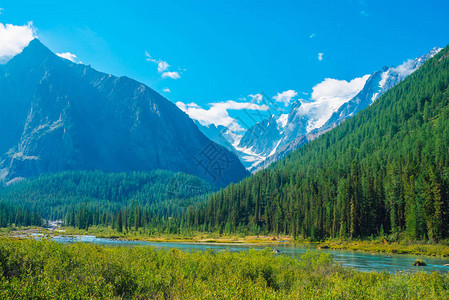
327, 97
377, 84
282, 121
332, 101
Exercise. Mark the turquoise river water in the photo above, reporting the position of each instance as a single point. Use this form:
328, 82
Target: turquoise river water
354, 259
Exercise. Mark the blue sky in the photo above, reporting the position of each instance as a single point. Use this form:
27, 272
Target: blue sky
224, 51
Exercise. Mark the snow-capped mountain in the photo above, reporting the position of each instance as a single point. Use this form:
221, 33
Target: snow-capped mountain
377, 84
305, 125
271, 139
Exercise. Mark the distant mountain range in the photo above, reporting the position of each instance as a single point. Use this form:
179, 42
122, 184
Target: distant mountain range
273, 138
57, 115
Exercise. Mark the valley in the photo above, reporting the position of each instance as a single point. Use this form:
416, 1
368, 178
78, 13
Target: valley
202, 150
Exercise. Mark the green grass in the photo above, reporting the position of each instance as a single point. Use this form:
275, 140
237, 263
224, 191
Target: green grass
378, 245
43, 269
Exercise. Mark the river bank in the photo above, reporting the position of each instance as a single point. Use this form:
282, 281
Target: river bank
382, 246
376, 246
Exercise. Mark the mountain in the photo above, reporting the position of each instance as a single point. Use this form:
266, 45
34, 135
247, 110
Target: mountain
217, 134
376, 85
305, 123
57, 116
261, 140
383, 172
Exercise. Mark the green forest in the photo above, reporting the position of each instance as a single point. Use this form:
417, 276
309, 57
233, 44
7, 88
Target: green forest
86, 198
384, 171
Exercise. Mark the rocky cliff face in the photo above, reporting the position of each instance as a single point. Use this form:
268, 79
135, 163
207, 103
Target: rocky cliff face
262, 137
56, 115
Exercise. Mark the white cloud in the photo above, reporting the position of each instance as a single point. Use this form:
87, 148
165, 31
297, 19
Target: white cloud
320, 56
1, 10
68, 55
149, 58
327, 97
172, 75
256, 97
406, 68
14, 38
312, 35
166, 90
218, 112
285, 97
338, 88
162, 67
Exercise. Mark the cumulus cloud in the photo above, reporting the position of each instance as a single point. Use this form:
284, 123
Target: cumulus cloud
256, 97
320, 56
14, 38
218, 113
338, 88
172, 75
162, 67
327, 97
68, 55
166, 90
285, 97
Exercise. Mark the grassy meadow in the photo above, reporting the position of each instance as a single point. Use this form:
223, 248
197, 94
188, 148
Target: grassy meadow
44, 269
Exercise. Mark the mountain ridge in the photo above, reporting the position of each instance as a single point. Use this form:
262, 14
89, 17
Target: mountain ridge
267, 145
68, 116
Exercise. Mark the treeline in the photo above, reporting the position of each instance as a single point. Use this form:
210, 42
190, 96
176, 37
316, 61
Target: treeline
134, 217
384, 171
85, 198
18, 216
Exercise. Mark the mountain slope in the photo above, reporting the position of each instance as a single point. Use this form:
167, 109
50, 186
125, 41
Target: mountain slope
386, 170
62, 116
376, 85
302, 126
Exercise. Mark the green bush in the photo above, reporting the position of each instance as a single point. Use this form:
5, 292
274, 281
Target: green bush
44, 269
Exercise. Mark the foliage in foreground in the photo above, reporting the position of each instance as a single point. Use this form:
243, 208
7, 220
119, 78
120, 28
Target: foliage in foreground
45, 269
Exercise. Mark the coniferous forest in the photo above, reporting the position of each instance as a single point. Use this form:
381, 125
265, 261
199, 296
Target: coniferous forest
85, 198
384, 171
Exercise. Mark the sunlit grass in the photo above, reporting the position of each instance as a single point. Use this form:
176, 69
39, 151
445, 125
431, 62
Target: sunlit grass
45, 269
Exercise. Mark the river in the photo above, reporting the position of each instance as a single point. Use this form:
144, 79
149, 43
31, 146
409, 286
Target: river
355, 259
